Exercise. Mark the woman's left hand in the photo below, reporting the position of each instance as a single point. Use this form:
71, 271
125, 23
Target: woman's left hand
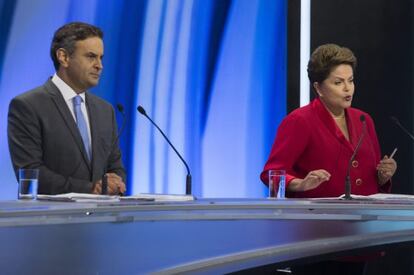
386, 169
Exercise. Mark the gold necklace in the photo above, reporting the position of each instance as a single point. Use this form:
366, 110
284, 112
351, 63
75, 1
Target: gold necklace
339, 117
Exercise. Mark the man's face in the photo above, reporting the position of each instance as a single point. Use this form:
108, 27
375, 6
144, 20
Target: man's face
84, 66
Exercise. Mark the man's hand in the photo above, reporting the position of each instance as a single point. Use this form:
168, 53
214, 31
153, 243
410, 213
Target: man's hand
115, 185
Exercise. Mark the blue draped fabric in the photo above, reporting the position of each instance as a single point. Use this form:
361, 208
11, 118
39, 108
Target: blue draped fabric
212, 74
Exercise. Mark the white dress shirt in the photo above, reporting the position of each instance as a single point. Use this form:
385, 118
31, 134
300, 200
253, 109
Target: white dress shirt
68, 94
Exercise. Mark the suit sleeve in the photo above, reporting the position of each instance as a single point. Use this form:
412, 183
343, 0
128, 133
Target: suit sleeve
25, 145
115, 164
290, 142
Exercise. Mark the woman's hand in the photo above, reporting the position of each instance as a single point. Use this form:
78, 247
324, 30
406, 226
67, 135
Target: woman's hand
386, 169
312, 180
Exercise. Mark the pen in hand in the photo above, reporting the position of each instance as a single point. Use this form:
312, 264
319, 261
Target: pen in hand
393, 153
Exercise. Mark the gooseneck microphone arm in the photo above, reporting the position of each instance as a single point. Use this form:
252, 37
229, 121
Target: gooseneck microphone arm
348, 171
142, 111
396, 121
120, 108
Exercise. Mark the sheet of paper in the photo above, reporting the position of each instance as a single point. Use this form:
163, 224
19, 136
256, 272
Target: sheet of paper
159, 197
78, 197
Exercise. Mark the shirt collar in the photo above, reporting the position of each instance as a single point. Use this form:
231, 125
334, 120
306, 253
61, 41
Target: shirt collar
67, 92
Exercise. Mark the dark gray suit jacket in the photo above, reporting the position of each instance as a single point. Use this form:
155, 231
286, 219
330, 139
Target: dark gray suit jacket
43, 134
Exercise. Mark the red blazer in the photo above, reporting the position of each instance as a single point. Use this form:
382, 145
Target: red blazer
309, 139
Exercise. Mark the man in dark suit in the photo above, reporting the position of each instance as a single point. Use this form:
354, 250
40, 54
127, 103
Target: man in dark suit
69, 134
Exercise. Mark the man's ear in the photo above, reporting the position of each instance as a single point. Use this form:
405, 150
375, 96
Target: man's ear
63, 57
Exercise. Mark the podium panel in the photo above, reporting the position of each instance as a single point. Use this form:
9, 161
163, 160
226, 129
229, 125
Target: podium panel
197, 237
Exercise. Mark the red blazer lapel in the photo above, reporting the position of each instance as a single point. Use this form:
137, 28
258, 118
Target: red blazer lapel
331, 126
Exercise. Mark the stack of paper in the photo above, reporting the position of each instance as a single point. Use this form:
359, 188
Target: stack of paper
159, 197
78, 197
82, 197
385, 196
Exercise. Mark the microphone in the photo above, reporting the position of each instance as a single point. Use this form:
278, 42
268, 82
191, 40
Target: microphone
141, 110
397, 122
120, 109
348, 171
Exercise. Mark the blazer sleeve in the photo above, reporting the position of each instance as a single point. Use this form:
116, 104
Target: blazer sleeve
290, 142
25, 145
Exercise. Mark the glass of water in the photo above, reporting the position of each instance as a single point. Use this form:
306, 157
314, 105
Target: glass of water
277, 184
28, 182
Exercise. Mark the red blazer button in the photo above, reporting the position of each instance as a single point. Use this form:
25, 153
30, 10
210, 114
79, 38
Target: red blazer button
355, 163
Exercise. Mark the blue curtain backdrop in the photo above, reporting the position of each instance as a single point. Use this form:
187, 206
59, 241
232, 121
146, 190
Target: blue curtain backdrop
212, 74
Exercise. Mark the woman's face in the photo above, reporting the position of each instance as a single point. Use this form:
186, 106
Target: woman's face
337, 90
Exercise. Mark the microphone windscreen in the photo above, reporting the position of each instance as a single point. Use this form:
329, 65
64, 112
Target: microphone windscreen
362, 118
120, 107
141, 110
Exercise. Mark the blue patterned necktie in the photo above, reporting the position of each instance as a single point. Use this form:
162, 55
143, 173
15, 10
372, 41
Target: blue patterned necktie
80, 121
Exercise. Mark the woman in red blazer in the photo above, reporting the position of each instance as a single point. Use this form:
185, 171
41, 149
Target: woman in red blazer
315, 143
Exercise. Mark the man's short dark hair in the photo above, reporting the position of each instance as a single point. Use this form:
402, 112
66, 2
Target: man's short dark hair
67, 35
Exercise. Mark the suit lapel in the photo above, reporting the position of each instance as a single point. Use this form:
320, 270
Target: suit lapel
64, 111
91, 106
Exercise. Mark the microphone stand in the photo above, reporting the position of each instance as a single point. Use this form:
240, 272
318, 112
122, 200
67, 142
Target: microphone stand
348, 171
188, 183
